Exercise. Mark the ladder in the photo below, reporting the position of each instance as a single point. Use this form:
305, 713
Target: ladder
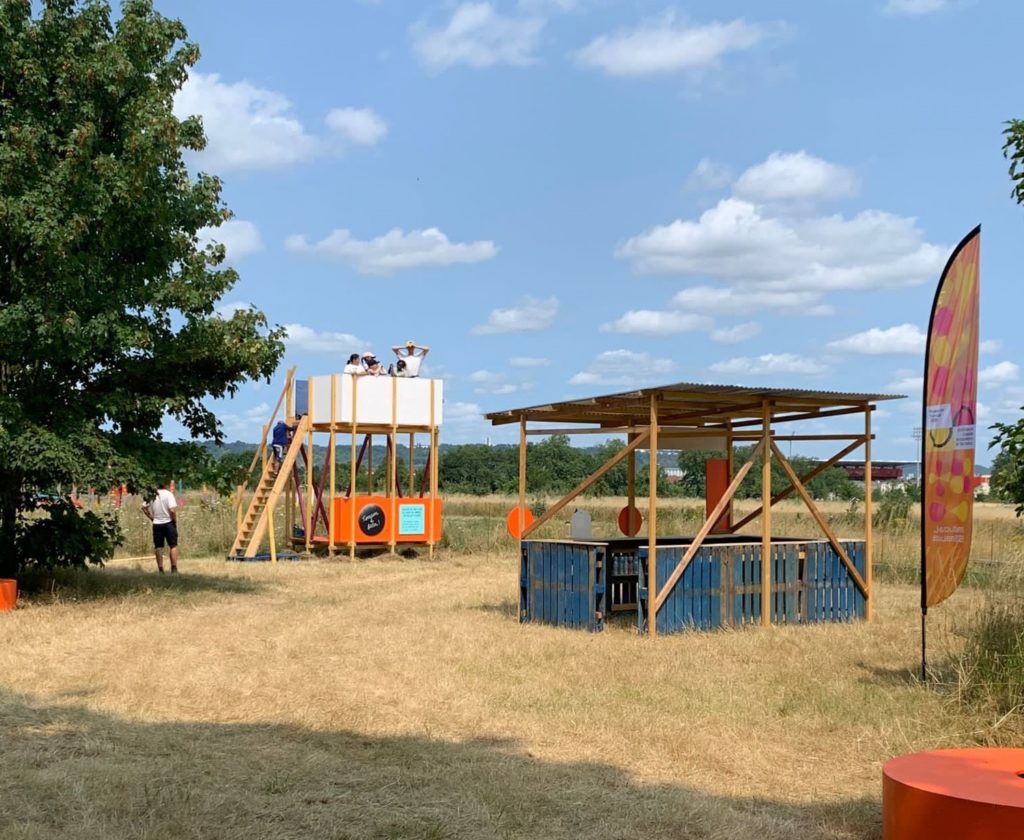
261, 507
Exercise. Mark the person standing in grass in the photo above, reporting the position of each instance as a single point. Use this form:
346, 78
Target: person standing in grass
162, 511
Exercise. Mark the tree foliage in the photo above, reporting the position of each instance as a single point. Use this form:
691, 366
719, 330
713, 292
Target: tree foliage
832, 483
107, 321
1013, 151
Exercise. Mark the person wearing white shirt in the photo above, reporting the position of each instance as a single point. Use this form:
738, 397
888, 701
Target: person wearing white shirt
162, 511
353, 367
412, 354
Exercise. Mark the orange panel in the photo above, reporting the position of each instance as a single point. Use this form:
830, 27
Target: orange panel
8, 593
383, 520
716, 475
971, 794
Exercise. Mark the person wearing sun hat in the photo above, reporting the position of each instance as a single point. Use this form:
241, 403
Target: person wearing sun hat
412, 354
371, 364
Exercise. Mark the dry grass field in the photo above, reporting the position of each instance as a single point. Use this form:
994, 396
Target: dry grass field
402, 699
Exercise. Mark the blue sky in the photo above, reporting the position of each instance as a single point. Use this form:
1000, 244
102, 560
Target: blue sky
571, 197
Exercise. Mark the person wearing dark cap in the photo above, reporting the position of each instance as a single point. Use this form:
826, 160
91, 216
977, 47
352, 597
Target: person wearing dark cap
412, 354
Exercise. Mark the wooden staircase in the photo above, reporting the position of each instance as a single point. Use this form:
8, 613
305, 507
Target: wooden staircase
253, 527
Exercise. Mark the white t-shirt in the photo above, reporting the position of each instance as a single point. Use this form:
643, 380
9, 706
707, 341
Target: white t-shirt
355, 370
412, 365
161, 506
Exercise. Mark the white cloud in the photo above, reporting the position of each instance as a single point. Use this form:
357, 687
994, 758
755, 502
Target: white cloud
461, 412
906, 382
737, 241
239, 238
301, 337
652, 322
489, 382
737, 333
903, 339
246, 127
709, 175
914, 7
998, 374
721, 300
227, 310
622, 367
359, 126
479, 36
663, 46
242, 421
395, 250
528, 361
990, 345
796, 177
529, 315
770, 364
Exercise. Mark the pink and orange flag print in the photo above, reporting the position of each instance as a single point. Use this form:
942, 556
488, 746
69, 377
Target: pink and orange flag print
949, 420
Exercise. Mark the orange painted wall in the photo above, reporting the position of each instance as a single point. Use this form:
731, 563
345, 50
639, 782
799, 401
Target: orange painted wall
716, 474
383, 520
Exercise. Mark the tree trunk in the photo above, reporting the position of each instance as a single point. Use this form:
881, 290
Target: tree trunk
9, 561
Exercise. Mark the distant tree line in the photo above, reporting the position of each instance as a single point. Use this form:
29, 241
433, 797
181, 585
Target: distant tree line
554, 466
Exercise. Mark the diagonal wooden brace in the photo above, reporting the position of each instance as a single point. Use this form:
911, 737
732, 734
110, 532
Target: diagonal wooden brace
640, 439
709, 523
789, 491
825, 529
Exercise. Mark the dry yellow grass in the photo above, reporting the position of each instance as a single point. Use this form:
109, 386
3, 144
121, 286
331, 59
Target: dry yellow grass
402, 699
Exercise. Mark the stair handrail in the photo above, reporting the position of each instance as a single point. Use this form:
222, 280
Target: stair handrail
262, 448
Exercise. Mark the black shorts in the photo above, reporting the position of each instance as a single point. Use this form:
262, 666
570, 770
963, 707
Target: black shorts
165, 532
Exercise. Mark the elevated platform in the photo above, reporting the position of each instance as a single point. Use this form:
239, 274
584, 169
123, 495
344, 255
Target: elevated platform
371, 403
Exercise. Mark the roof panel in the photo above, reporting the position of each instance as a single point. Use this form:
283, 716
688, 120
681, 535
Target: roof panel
690, 397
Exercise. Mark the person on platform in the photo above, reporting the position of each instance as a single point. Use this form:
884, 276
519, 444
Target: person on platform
373, 367
413, 355
353, 367
162, 511
402, 369
280, 439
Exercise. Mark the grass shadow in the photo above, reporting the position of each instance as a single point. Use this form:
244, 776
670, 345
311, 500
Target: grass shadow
506, 608
890, 677
76, 585
72, 771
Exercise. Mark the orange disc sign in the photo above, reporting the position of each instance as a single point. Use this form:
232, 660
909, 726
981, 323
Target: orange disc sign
512, 521
630, 520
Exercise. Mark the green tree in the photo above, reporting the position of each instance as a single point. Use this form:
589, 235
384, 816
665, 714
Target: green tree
107, 321
1013, 151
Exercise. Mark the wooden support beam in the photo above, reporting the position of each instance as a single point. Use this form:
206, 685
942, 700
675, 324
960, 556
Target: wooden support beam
652, 521
789, 491
582, 486
807, 415
393, 472
309, 476
353, 472
709, 523
333, 456
631, 477
433, 467
522, 481
757, 435
729, 464
869, 600
825, 529
766, 516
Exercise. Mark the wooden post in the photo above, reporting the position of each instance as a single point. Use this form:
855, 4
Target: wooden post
369, 465
434, 470
273, 538
869, 600
333, 456
652, 524
263, 448
522, 482
393, 471
289, 499
354, 489
309, 475
631, 475
729, 461
412, 462
432, 459
766, 517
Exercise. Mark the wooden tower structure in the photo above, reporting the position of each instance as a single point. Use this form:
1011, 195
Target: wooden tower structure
342, 503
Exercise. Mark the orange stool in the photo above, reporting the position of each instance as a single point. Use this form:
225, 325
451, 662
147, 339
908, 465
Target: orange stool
970, 794
8, 594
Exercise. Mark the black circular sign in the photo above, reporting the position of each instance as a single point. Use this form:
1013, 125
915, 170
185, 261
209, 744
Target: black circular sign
371, 520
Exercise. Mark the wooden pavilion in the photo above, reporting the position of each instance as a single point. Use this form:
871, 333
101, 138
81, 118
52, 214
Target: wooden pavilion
796, 580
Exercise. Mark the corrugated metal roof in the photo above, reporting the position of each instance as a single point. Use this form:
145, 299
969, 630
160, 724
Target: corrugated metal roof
717, 402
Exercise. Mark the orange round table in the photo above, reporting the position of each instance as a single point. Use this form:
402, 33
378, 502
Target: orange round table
970, 794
